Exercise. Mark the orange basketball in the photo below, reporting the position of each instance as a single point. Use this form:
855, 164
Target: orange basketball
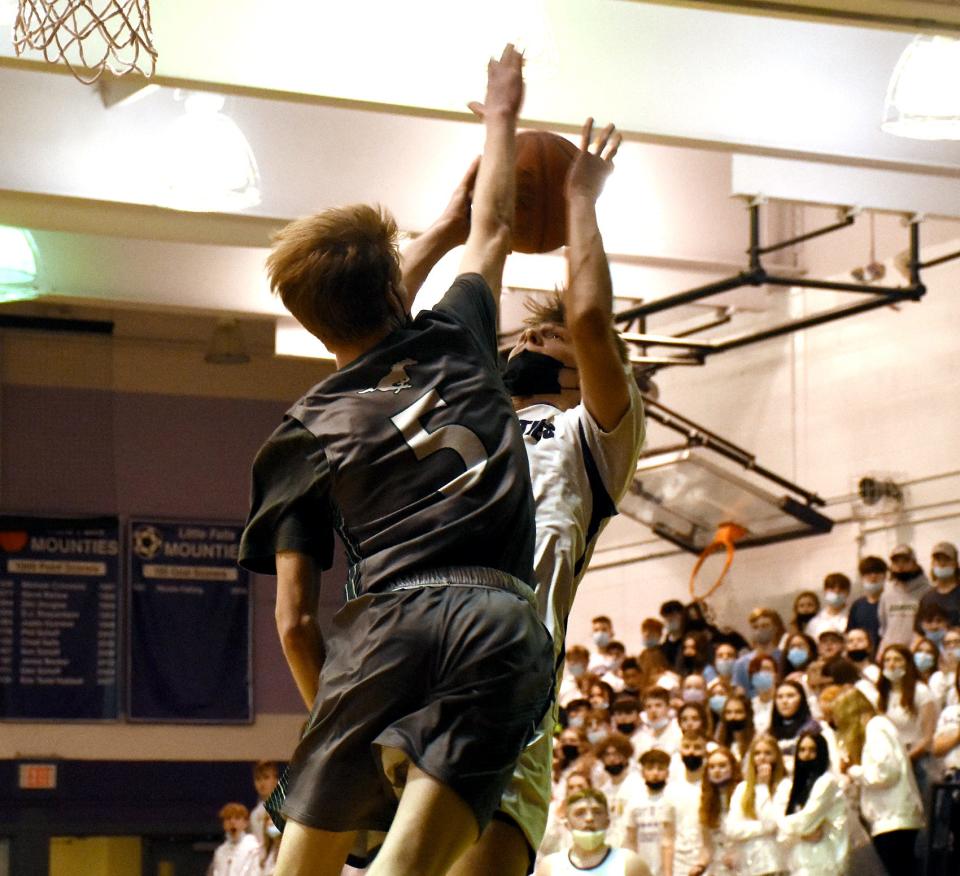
540, 219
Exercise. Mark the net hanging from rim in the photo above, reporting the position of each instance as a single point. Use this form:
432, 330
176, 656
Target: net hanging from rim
89, 36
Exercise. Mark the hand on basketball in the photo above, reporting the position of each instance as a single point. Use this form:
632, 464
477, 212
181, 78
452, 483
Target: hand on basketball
504, 85
594, 164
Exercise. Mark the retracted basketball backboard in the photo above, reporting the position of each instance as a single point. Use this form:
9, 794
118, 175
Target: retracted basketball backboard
684, 497
691, 493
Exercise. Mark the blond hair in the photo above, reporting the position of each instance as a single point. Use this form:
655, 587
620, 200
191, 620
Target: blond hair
848, 711
552, 309
336, 272
778, 773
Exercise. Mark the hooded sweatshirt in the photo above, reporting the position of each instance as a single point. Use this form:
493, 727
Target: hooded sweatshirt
898, 610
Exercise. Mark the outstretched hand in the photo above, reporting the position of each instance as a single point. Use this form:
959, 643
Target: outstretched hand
456, 214
504, 85
594, 163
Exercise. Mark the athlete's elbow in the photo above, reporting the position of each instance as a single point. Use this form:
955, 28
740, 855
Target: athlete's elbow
295, 629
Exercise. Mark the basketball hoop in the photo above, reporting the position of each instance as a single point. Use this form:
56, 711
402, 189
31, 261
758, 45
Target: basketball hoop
727, 534
88, 35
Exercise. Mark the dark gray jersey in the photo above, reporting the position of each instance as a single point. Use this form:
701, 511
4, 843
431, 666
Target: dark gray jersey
411, 453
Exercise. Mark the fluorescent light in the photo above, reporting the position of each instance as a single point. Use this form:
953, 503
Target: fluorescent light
923, 100
292, 339
18, 265
208, 163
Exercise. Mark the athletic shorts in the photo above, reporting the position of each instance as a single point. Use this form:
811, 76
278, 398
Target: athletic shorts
453, 678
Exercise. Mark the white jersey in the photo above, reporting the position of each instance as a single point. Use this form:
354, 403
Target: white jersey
614, 864
578, 473
646, 818
241, 858
621, 799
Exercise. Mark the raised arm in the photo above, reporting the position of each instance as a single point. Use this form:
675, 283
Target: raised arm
589, 296
296, 617
493, 198
448, 232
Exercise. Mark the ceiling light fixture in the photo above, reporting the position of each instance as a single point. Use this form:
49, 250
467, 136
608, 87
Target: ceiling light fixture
209, 165
923, 101
18, 265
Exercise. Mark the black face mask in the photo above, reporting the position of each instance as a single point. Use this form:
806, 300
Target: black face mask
858, 654
737, 724
805, 616
656, 786
692, 762
627, 727
905, 576
614, 768
530, 373
570, 752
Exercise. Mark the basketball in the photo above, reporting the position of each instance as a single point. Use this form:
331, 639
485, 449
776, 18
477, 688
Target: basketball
540, 219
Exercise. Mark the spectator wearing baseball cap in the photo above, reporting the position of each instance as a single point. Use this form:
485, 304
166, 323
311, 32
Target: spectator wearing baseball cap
901, 599
946, 583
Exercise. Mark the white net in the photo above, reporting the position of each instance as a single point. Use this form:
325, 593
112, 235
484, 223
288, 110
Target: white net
90, 36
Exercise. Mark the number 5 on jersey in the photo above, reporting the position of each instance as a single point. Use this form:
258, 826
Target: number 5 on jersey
459, 439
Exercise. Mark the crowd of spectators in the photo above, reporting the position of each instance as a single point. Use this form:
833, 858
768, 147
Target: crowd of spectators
808, 747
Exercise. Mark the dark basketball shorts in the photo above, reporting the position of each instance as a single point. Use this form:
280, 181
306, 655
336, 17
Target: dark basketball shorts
453, 678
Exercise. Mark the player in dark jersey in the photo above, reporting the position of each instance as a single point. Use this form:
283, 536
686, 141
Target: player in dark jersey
437, 669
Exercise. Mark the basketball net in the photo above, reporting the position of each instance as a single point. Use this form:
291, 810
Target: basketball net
89, 36
727, 535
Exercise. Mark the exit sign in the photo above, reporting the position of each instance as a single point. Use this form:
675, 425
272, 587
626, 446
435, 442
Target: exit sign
38, 776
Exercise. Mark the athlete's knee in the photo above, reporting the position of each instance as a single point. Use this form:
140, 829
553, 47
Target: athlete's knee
501, 849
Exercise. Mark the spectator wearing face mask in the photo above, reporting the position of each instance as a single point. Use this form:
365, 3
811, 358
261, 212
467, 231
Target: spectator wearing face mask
763, 680
721, 776
696, 718
859, 648
645, 817
620, 783
806, 606
926, 656
575, 667
766, 629
906, 701
673, 616
945, 581
682, 836
799, 652
588, 820
695, 656
737, 728
557, 837
755, 809
569, 748
693, 689
864, 612
576, 713
943, 682
614, 654
659, 729
724, 660
600, 696
875, 760
695, 620
791, 718
813, 826
835, 612
602, 635
626, 717
651, 632
901, 597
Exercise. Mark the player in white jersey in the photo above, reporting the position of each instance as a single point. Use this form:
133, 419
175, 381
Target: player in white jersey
583, 426
588, 820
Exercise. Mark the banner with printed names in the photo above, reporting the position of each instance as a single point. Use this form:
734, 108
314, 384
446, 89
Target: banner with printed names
59, 618
189, 630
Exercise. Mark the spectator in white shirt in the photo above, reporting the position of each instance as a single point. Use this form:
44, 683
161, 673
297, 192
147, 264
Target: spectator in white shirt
753, 818
626, 715
682, 836
946, 740
835, 611
720, 777
620, 784
266, 774
646, 814
875, 759
660, 729
859, 651
943, 682
763, 680
239, 853
814, 821
574, 669
926, 656
907, 701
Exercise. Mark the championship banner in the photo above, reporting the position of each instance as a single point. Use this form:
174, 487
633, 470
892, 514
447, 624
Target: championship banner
189, 624
59, 618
